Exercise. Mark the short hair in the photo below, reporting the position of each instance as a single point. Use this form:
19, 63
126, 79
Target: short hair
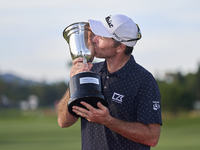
128, 49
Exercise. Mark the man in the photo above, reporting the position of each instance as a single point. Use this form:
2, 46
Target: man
132, 120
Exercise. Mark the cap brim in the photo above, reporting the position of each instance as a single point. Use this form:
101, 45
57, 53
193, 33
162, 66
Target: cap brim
98, 28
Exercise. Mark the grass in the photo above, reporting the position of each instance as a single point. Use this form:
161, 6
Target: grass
30, 132
180, 134
37, 132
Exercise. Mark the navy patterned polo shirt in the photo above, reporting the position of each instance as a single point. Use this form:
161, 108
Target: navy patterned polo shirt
132, 95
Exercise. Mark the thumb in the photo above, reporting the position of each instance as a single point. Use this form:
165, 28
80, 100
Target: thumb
90, 65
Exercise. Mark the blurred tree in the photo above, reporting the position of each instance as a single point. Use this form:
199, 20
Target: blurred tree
177, 94
197, 84
46, 93
178, 91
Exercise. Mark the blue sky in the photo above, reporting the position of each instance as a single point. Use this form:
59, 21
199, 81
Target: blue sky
32, 46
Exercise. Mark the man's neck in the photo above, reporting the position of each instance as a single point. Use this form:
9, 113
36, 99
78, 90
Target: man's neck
114, 64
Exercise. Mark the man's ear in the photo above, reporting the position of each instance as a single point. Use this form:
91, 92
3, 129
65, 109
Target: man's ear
121, 48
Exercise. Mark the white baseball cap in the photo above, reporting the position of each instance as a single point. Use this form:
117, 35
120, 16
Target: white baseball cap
119, 27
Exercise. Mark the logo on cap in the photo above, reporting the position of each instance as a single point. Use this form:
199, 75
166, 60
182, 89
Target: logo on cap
109, 22
116, 36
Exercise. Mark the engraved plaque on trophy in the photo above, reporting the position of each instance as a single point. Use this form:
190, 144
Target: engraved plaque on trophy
84, 86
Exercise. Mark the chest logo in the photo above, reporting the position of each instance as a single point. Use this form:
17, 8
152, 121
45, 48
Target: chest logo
117, 97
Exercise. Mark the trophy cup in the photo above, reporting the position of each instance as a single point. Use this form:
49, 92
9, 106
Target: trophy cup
84, 86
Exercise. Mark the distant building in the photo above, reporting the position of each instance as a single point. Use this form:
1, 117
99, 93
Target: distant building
196, 105
4, 101
31, 103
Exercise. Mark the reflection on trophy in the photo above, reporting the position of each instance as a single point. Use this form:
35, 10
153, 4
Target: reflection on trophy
84, 86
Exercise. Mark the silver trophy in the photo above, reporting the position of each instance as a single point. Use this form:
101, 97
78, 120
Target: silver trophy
84, 86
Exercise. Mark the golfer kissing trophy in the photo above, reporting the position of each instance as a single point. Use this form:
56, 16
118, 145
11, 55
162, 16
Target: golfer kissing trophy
84, 86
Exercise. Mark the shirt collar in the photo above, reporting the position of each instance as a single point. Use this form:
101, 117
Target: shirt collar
123, 72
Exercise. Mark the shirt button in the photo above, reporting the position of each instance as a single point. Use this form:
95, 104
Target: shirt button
105, 87
107, 77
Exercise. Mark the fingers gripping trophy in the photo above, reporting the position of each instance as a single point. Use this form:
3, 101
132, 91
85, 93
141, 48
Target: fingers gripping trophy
84, 86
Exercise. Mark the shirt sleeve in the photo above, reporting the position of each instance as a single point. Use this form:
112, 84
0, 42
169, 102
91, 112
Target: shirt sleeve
149, 104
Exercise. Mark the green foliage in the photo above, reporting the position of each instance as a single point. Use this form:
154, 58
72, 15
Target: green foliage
46, 93
180, 92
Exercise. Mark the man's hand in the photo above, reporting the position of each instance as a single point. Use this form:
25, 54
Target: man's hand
79, 66
101, 115
147, 134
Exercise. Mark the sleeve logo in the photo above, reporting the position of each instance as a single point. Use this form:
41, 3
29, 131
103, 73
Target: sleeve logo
156, 105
